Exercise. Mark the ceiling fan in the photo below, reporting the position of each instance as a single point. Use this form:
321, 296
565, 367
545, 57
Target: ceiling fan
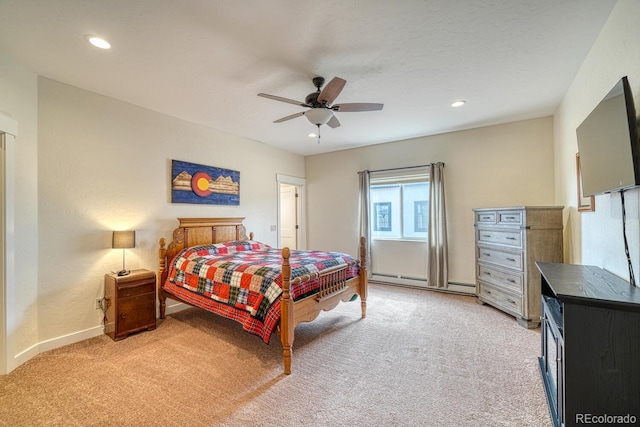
320, 106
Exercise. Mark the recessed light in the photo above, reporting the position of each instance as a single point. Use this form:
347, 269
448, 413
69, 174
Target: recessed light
312, 135
458, 103
98, 41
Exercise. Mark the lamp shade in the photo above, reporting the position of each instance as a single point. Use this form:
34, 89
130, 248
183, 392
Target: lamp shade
318, 116
124, 239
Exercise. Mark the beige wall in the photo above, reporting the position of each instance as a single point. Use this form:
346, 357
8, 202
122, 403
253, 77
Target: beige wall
86, 164
595, 238
105, 165
504, 165
18, 99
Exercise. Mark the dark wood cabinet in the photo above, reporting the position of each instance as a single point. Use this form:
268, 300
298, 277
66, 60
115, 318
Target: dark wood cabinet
590, 361
130, 303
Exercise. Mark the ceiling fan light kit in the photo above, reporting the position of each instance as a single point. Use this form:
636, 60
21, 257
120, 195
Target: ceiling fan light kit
321, 110
318, 116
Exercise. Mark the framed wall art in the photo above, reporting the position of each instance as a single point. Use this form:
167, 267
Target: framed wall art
200, 184
585, 204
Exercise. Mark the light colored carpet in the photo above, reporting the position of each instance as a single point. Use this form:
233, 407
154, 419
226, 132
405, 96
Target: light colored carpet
420, 358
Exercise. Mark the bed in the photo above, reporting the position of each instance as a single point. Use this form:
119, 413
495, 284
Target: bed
212, 264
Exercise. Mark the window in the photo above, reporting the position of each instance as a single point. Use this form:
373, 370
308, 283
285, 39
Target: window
420, 215
382, 216
399, 207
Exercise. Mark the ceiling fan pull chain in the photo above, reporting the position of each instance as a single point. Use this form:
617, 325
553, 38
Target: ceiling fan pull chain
318, 134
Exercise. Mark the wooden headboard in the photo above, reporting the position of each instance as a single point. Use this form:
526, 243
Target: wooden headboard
201, 231
204, 231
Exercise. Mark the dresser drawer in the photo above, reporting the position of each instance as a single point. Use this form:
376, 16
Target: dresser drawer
499, 298
507, 259
501, 237
512, 281
486, 217
510, 218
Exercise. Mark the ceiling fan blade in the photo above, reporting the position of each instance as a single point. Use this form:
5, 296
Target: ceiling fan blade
332, 90
333, 122
292, 116
281, 99
357, 106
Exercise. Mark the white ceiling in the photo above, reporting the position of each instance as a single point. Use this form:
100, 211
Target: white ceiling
205, 61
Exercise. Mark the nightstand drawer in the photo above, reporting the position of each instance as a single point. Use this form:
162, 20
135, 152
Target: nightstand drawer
136, 289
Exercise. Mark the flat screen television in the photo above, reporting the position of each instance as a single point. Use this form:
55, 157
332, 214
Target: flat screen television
608, 144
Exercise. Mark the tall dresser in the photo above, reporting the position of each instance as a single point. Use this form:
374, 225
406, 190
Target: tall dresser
508, 243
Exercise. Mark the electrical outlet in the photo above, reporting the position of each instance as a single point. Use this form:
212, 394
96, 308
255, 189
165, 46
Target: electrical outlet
99, 302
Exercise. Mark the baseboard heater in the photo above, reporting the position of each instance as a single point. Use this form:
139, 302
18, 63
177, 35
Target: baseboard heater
419, 279
399, 276
400, 280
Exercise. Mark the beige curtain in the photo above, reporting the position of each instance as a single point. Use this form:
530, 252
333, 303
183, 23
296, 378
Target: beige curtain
364, 226
437, 256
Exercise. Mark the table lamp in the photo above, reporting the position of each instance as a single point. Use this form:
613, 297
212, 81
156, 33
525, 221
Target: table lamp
123, 240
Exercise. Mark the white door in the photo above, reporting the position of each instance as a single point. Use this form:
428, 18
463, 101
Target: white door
3, 328
289, 215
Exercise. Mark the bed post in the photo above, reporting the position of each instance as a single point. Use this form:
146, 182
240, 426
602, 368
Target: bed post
162, 276
286, 312
364, 276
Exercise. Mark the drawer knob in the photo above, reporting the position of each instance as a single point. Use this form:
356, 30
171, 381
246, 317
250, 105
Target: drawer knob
487, 292
486, 254
511, 301
123, 315
487, 273
486, 235
511, 259
511, 238
511, 281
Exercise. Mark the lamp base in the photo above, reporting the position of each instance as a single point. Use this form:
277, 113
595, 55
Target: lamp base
123, 272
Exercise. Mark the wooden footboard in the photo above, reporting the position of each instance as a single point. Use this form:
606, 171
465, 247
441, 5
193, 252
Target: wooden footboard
334, 285
330, 294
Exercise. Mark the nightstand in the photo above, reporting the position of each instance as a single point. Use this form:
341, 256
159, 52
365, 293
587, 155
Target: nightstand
130, 303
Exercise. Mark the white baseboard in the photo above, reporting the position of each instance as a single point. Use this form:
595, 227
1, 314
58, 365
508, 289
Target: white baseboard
463, 288
175, 307
51, 344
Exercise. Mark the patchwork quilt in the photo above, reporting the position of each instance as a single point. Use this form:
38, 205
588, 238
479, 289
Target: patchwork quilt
242, 280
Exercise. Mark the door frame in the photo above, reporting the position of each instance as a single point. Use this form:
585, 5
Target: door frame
300, 183
9, 130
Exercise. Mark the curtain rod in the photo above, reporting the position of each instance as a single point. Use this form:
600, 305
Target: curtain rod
407, 167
